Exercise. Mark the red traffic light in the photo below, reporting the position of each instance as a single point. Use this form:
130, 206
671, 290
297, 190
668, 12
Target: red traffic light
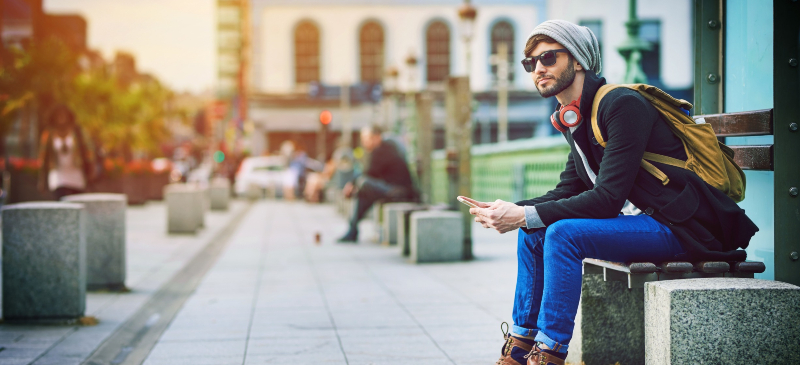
325, 117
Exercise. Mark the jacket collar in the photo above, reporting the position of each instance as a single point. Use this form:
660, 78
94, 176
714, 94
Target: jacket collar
591, 83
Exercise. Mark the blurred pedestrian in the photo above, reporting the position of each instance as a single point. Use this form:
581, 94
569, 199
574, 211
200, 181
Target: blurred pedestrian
65, 165
386, 178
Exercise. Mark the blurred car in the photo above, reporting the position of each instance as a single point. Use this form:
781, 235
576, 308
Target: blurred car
263, 172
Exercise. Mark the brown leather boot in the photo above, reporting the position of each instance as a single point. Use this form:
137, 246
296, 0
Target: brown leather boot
539, 357
509, 345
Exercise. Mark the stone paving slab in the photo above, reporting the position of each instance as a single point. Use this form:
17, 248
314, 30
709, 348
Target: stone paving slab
276, 297
153, 257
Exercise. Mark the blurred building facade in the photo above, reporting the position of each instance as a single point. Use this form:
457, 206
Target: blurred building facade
302, 53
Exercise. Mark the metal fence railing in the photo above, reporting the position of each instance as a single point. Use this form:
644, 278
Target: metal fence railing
511, 171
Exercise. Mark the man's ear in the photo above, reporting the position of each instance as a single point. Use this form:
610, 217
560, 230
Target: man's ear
578, 66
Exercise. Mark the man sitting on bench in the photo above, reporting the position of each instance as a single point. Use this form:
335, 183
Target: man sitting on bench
386, 178
605, 206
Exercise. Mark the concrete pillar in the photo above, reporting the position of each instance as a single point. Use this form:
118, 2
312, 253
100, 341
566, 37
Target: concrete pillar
44, 261
220, 192
436, 236
105, 239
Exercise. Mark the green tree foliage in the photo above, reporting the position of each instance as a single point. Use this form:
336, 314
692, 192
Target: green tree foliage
122, 118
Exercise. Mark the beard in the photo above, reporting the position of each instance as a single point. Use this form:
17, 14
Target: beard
562, 82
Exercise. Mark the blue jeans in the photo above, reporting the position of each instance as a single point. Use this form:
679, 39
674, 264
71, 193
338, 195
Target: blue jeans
549, 271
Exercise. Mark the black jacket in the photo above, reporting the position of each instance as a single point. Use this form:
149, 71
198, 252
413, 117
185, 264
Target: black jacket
709, 225
388, 164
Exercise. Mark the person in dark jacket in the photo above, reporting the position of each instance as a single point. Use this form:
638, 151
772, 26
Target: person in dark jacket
605, 206
386, 178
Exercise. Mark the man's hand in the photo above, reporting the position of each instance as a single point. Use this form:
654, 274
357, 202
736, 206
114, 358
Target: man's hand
500, 215
348, 190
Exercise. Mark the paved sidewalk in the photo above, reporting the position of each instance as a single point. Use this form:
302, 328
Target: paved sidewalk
153, 257
275, 297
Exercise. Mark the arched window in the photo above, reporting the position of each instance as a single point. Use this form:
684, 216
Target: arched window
437, 51
306, 53
503, 32
371, 47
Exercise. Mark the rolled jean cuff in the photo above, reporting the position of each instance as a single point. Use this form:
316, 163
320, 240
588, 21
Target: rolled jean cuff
522, 331
554, 346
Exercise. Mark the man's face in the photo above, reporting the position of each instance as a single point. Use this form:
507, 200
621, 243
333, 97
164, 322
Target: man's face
551, 80
369, 140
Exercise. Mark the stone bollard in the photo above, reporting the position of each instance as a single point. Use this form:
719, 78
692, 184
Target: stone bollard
105, 239
608, 309
721, 321
220, 192
44, 261
184, 208
436, 236
389, 226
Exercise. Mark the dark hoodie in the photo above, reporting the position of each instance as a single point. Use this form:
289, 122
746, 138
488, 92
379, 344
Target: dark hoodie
709, 225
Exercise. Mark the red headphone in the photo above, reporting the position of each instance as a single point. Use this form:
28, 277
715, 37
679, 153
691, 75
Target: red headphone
567, 116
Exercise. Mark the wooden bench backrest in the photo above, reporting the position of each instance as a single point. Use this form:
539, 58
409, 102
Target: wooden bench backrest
746, 124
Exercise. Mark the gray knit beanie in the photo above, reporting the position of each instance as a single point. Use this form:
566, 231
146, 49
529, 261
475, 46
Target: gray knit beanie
580, 41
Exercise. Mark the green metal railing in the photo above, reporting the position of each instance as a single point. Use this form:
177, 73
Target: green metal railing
510, 171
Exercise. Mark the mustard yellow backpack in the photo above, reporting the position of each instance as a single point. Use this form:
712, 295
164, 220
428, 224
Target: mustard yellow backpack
707, 157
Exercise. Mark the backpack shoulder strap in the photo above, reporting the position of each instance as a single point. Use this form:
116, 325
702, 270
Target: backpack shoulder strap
601, 92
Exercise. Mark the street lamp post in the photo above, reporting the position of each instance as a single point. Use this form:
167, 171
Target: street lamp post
409, 125
632, 48
466, 15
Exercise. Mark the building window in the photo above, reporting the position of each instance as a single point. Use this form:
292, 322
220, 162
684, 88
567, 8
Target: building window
596, 26
650, 31
306, 53
437, 51
503, 32
371, 44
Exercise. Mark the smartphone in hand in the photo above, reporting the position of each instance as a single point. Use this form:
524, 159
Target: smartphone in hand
467, 201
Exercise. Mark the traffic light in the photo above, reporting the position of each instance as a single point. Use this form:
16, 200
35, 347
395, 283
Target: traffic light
325, 117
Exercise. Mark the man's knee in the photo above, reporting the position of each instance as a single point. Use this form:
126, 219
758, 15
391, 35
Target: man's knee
559, 234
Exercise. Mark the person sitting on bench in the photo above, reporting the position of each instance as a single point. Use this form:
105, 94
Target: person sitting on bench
386, 178
605, 206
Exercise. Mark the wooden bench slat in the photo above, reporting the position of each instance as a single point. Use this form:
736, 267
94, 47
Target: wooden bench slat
712, 267
677, 267
753, 157
749, 123
749, 267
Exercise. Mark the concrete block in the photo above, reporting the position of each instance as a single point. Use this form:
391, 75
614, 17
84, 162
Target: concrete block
389, 224
44, 261
721, 321
436, 236
404, 229
220, 192
184, 208
608, 310
105, 239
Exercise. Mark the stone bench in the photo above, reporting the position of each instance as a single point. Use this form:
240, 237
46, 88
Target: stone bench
105, 239
185, 208
721, 321
44, 261
220, 193
613, 301
389, 232
436, 236
404, 226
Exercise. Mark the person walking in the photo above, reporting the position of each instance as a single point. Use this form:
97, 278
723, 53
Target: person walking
605, 206
65, 166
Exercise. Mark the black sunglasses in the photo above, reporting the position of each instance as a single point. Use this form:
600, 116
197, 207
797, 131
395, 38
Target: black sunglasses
548, 58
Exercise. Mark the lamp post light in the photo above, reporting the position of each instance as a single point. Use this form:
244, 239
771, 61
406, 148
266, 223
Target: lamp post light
391, 97
466, 15
632, 48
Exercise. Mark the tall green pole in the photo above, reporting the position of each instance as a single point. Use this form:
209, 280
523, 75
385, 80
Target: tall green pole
632, 48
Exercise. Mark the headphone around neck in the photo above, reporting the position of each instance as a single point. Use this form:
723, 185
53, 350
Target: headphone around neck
567, 116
